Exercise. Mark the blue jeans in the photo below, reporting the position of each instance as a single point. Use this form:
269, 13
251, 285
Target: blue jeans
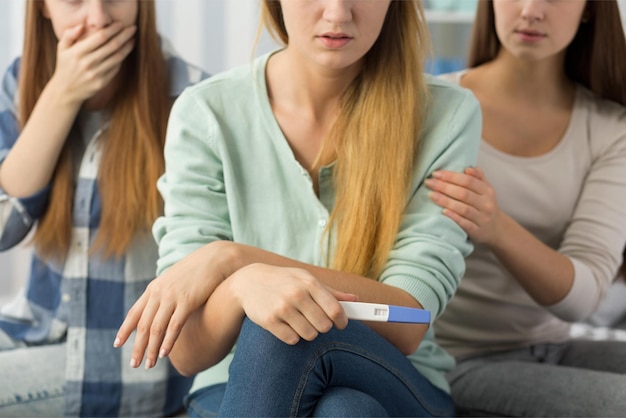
353, 372
578, 378
32, 379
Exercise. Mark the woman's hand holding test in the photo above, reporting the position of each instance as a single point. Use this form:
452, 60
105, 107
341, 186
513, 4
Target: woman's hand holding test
291, 303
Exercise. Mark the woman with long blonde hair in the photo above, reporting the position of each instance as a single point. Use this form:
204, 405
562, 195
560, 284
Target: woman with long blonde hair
546, 208
292, 184
82, 126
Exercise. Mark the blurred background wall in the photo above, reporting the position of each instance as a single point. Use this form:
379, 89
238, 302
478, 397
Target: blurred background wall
220, 34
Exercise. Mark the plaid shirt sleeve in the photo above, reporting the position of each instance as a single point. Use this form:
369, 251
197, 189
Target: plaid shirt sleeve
16, 215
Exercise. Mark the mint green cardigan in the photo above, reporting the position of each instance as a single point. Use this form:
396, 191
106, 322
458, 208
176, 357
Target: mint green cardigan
231, 175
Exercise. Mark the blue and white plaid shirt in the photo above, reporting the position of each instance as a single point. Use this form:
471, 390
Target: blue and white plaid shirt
85, 299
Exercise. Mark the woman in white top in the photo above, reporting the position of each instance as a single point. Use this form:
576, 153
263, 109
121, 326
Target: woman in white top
546, 208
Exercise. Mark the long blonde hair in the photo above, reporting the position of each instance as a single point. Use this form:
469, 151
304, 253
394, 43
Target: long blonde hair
375, 139
133, 149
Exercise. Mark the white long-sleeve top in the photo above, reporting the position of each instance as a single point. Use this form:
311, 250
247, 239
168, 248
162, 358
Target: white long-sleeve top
573, 199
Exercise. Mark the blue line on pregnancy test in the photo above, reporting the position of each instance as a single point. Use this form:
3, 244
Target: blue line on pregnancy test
385, 313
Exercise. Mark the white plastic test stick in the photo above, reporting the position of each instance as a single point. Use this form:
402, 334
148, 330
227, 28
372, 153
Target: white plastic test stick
385, 313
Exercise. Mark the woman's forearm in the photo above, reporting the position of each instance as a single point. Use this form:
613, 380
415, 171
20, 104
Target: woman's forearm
209, 333
29, 165
544, 273
406, 337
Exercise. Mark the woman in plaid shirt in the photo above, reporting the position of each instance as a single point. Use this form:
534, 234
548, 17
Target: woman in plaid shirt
82, 124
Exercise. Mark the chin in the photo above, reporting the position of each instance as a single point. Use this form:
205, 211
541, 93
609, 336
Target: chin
335, 64
533, 56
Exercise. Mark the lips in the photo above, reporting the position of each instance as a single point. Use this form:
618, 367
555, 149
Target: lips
335, 40
336, 35
530, 36
531, 32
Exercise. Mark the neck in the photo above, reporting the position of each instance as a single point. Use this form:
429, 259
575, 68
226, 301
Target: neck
530, 81
315, 91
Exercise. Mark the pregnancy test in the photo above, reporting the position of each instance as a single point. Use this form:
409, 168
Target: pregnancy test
385, 313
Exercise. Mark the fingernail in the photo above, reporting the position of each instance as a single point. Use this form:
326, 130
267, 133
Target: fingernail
149, 364
163, 353
437, 174
434, 195
429, 182
117, 342
133, 363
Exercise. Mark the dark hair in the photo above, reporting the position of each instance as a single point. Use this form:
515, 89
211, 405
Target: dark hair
596, 57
